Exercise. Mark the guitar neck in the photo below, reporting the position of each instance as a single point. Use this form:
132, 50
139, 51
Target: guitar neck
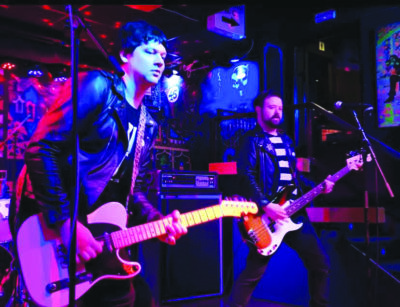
136, 234
310, 195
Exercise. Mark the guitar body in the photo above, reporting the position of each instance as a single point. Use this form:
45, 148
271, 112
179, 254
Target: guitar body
265, 234
44, 260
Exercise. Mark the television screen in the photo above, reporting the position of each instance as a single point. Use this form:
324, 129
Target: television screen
388, 75
230, 89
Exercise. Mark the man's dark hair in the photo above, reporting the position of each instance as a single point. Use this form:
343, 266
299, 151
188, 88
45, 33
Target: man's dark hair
134, 33
259, 100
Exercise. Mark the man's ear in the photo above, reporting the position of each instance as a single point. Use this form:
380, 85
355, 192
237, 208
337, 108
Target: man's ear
124, 59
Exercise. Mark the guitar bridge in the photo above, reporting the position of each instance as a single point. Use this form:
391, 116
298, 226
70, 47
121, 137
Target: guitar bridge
252, 236
64, 283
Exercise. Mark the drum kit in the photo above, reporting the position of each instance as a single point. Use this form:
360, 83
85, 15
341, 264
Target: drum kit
12, 293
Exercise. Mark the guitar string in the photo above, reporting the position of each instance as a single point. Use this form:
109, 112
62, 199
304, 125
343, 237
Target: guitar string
192, 218
262, 230
298, 204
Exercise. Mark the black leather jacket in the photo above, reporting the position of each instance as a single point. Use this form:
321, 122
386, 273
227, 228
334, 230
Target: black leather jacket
258, 168
101, 127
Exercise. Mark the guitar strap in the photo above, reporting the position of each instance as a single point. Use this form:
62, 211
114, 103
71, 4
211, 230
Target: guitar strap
138, 149
126, 163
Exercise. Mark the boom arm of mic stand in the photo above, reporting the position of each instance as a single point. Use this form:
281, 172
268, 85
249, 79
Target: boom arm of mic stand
346, 125
333, 117
371, 150
14, 131
114, 63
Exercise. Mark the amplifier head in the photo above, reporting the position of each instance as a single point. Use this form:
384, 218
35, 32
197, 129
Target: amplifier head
184, 180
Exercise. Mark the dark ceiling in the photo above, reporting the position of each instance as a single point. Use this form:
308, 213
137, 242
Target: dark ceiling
41, 33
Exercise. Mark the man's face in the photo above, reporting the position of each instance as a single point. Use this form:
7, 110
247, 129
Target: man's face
146, 63
271, 112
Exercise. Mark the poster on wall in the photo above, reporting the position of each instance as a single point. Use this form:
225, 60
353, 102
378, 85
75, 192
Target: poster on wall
24, 101
29, 101
388, 75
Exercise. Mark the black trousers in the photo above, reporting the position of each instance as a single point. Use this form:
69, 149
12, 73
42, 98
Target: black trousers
109, 293
310, 250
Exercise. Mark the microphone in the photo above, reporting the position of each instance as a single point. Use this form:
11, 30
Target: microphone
341, 105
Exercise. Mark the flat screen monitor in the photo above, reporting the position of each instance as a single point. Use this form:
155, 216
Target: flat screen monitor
230, 89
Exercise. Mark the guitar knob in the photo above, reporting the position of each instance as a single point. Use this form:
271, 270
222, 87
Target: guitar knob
51, 287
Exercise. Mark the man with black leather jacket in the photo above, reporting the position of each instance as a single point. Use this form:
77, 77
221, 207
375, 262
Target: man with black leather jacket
115, 135
266, 163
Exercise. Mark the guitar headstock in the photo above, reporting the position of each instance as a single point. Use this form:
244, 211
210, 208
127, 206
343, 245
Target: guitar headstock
355, 162
237, 208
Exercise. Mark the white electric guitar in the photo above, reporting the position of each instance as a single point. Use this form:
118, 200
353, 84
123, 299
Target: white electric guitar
44, 259
266, 234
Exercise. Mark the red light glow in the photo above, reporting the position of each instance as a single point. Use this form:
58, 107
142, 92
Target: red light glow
144, 8
223, 168
8, 66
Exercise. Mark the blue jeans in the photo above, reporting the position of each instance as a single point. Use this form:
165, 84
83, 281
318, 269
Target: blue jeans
310, 250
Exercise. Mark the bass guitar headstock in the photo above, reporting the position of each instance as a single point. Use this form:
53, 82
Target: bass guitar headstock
355, 160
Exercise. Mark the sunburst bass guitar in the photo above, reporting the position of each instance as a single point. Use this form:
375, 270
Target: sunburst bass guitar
267, 234
44, 259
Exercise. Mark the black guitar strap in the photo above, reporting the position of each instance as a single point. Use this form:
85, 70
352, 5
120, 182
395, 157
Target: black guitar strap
119, 183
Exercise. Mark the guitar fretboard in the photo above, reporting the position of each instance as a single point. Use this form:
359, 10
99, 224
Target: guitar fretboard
310, 195
136, 234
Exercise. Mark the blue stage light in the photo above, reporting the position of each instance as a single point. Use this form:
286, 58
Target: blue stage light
325, 16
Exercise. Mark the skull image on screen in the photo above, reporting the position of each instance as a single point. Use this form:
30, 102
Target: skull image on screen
240, 77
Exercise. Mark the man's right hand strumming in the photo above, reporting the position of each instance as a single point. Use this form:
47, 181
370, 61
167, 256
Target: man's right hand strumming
87, 247
275, 211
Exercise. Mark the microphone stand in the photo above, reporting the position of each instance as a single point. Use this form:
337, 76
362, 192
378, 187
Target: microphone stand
75, 197
112, 60
14, 131
366, 201
77, 24
345, 125
366, 140
14, 134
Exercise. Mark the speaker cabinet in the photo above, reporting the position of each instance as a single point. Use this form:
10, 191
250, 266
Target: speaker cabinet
193, 267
